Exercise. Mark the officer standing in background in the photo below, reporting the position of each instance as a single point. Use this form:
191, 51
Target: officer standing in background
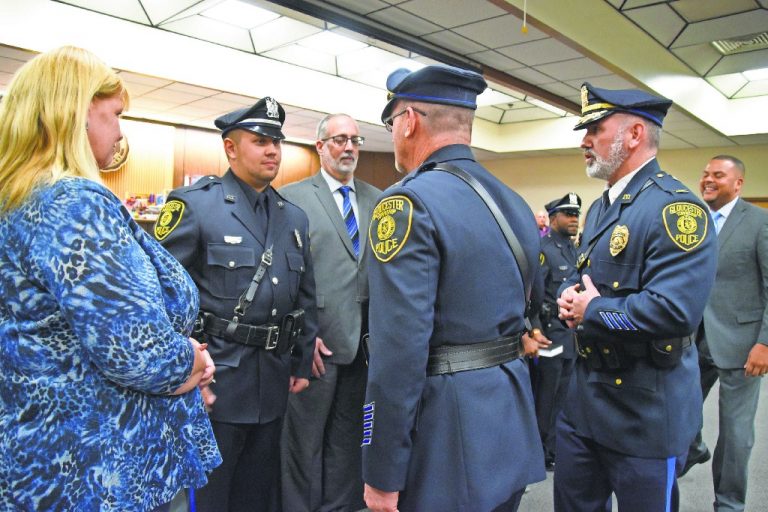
646, 264
449, 415
553, 374
247, 249
321, 435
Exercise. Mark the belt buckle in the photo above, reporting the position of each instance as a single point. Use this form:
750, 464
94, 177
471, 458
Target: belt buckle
273, 333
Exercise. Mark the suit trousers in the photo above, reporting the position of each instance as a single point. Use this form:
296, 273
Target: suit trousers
737, 405
552, 377
587, 473
322, 461
248, 479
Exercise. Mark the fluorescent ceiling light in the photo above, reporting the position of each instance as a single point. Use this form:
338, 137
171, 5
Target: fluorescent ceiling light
546, 106
492, 97
331, 43
240, 14
756, 74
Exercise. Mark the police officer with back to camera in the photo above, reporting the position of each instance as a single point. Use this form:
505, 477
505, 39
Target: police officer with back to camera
449, 421
645, 266
247, 250
552, 374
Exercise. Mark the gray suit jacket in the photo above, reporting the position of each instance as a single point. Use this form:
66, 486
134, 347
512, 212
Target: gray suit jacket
736, 316
341, 280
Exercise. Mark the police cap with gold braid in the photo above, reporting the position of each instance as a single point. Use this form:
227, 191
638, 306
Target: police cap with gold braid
441, 84
598, 103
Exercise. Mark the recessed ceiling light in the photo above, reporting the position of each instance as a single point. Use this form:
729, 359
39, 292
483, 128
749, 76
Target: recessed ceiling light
331, 43
756, 74
240, 14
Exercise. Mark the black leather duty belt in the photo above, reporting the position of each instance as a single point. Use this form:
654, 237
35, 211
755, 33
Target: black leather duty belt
460, 358
263, 336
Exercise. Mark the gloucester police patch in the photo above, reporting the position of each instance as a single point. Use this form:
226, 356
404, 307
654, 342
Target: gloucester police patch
686, 224
169, 218
390, 226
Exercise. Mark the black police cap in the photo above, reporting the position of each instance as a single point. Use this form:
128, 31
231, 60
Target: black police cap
569, 201
597, 103
441, 84
265, 117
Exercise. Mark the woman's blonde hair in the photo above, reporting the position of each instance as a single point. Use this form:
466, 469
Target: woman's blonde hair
43, 119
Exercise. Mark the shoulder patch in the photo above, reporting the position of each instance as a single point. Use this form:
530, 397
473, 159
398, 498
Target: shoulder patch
169, 218
686, 224
390, 226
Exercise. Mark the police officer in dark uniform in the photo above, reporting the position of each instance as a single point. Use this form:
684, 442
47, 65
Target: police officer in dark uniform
554, 365
247, 250
449, 422
645, 268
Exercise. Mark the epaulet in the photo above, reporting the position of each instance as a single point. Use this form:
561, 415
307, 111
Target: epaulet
204, 183
669, 183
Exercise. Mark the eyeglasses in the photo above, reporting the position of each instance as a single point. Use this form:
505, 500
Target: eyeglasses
341, 140
388, 122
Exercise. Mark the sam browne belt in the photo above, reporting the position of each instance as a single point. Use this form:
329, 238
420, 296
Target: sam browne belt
460, 358
269, 336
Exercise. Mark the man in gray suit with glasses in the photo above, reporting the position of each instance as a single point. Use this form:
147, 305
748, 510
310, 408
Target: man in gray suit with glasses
323, 429
733, 337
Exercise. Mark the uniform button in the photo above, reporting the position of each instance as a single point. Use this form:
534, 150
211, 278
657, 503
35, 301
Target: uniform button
606, 351
275, 280
615, 284
231, 264
618, 382
668, 348
210, 177
274, 312
564, 279
660, 175
588, 350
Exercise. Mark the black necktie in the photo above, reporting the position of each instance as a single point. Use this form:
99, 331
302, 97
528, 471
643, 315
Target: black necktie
262, 213
605, 203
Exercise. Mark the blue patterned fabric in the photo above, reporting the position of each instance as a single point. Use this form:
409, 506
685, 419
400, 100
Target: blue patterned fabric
94, 318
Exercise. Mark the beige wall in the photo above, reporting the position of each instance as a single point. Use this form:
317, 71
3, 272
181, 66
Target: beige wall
540, 180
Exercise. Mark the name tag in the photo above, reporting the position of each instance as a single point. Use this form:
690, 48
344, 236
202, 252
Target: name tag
233, 239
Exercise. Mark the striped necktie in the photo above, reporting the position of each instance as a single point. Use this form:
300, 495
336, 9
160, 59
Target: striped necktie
349, 219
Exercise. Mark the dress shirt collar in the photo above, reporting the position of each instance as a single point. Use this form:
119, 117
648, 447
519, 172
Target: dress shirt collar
335, 184
615, 191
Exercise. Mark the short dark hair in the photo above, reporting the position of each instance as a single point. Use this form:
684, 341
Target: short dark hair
735, 161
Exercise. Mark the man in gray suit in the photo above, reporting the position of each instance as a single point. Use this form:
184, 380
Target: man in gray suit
323, 428
734, 332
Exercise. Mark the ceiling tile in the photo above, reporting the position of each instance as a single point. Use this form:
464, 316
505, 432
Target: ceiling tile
398, 18
499, 32
698, 10
360, 6
755, 88
191, 89
451, 13
5, 78
702, 138
633, 4
15, 53
669, 141
137, 78
605, 82
278, 32
741, 62
676, 120
541, 51
573, 69
192, 112
660, 21
136, 90
489, 113
10, 65
173, 97
495, 60
729, 84
723, 28
700, 58
562, 89
367, 59
161, 10
212, 30
526, 114
150, 104
235, 99
615, 3
453, 42
531, 76
305, 57
218, 103
755, 138
125, 9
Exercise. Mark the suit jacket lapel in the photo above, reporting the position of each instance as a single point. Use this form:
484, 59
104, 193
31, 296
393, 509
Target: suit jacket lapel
240, 208
325, 196
733, 220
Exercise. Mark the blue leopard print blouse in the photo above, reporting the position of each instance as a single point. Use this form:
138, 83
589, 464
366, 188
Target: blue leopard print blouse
94, 318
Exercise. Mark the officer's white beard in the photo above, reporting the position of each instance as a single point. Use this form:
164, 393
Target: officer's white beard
603, 168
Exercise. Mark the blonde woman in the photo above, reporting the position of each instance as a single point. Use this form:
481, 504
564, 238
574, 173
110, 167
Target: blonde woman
99, 401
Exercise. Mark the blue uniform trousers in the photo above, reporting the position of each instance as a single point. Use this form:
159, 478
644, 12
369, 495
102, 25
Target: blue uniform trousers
587, 473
